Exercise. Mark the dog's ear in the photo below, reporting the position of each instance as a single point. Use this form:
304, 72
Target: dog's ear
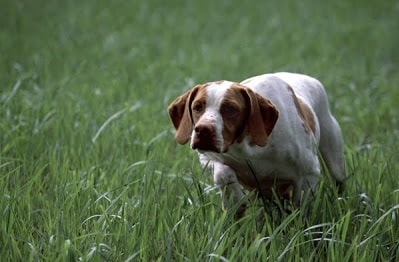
262, 117
180, 114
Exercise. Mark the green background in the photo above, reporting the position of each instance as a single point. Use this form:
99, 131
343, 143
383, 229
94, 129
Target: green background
89, 168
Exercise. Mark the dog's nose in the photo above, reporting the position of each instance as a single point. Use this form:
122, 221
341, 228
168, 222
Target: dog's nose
204, 138
202, 129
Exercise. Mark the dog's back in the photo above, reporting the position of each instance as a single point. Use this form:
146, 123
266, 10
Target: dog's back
311, 92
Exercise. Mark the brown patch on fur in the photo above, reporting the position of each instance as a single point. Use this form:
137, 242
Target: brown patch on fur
304, 112
197, 104
235, 113
262, 116
181, 115
246, 112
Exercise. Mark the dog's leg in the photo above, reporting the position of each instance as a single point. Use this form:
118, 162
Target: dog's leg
304, 189
332, 149
232, 192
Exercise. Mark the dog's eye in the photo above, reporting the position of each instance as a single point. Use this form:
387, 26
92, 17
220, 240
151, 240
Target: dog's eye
198, 108
229, 110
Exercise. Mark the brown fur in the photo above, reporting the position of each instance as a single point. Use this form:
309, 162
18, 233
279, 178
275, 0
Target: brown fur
180, 113
304, 112
262, 117
235, 113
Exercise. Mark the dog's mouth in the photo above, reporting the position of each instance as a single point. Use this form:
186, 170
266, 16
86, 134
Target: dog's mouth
207, 138
206, 144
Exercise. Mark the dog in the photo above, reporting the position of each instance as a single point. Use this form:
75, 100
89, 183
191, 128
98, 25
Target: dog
267, 134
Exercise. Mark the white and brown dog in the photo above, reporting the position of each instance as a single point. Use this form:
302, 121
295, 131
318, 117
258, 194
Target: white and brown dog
264, 133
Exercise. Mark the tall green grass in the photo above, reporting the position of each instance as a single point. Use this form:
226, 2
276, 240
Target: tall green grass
89, 169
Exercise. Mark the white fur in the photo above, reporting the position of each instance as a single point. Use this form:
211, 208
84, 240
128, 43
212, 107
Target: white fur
291, 152
215, 93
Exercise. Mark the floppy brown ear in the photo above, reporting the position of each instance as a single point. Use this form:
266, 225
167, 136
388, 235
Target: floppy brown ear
179, 113
262, 117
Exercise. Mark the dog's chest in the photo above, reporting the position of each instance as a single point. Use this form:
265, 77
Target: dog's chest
263, 162
263, 174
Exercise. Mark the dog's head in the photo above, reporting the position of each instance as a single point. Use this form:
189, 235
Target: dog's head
217, 114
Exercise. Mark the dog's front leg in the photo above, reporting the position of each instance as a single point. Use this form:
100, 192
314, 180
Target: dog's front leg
232, 193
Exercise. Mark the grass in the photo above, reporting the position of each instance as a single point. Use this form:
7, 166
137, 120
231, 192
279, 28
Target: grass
89, 169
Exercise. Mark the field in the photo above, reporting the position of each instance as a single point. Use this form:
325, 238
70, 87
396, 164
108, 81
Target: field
90, 171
